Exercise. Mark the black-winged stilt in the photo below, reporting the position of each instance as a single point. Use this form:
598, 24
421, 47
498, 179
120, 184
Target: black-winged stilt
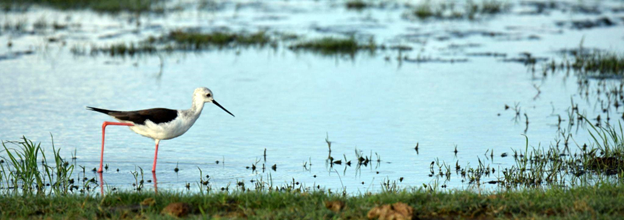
159, 123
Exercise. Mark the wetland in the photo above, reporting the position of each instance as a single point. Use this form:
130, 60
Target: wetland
359, 98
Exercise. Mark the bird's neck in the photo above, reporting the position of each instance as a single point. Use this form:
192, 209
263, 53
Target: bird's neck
197, 107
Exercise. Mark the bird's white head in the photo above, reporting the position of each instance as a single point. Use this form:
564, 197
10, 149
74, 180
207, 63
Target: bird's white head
203, 94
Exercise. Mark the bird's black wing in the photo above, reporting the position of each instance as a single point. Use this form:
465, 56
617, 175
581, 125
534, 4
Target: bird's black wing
156, 115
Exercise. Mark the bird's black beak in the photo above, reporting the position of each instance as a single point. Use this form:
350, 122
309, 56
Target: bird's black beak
217, 104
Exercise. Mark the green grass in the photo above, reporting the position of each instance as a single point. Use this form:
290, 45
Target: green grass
601, 202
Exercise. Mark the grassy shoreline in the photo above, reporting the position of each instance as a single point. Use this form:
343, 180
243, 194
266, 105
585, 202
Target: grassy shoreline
602, 201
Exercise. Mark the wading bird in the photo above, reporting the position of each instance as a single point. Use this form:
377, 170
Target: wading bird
159, 123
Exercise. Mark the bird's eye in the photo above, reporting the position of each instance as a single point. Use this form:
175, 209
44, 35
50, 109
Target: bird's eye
208, 95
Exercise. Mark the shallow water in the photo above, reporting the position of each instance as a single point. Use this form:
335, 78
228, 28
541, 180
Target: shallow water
288, 102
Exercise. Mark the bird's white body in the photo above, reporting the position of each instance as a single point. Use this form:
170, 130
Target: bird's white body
168, 130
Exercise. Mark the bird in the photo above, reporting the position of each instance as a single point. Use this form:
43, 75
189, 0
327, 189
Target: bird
159, 123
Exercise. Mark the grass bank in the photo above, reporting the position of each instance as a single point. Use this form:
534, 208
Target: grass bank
602, 201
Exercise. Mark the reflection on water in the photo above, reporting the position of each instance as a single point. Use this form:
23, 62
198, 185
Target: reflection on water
397, 115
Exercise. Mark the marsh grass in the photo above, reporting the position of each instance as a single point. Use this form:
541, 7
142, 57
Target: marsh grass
599, 63
558, 165
356, 4
195, 40
592, 63
452, 11
333, 45
103, 6
180, 40
122, 49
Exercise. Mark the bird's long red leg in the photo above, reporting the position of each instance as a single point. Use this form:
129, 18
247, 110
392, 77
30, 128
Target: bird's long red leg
106, 123
155, 156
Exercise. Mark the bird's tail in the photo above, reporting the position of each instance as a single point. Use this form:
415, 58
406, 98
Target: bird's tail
105, 111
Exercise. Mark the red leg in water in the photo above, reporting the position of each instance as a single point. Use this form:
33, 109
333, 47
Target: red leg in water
101, 184
106, 123
155, 156
155, 182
